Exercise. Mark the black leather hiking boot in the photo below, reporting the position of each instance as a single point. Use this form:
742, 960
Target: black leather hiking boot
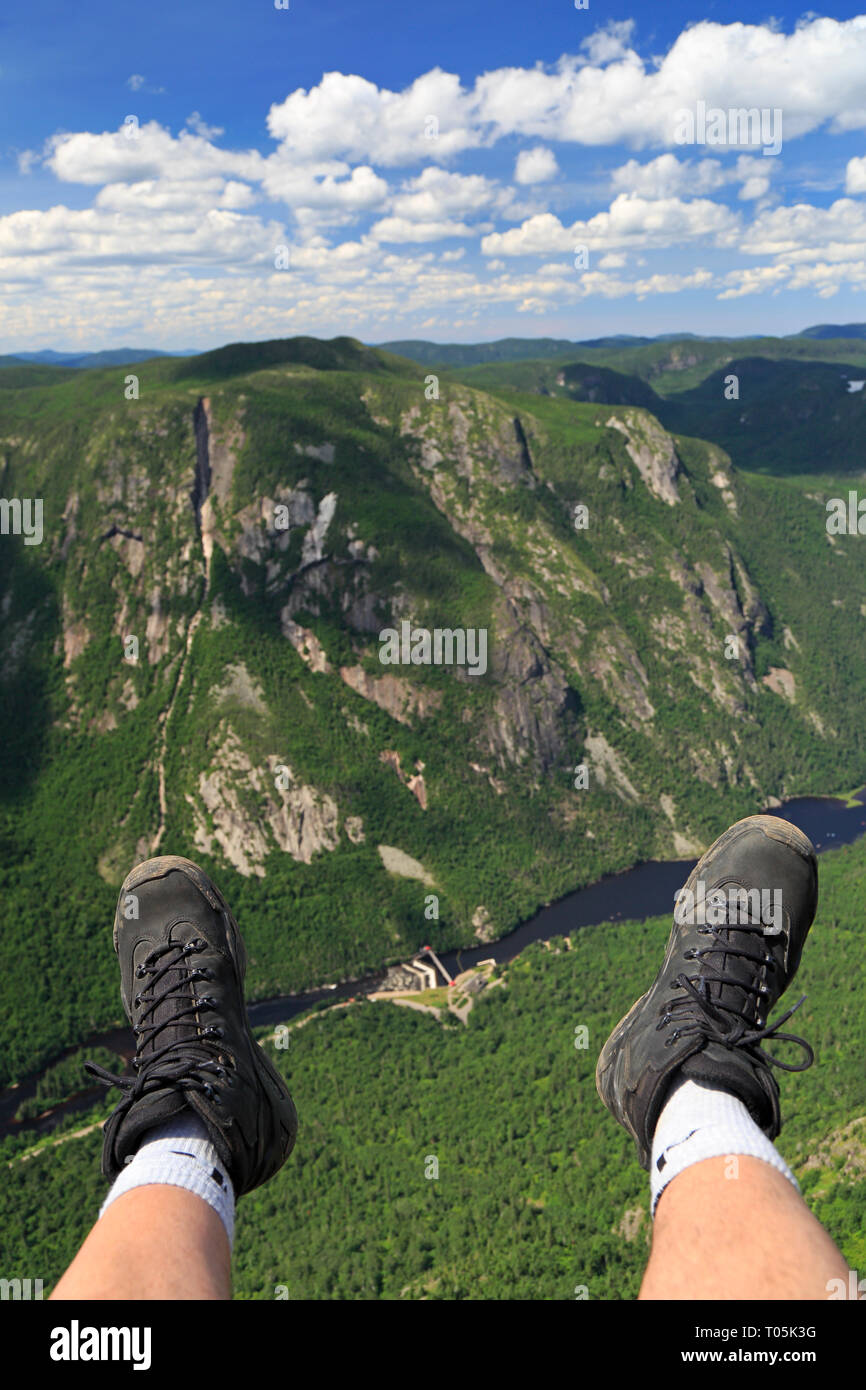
729, 959
182, 966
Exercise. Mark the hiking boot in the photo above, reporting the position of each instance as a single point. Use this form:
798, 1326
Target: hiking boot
182, 966
729, 959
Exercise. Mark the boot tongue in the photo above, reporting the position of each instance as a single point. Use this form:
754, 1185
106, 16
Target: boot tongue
737, 992
175, 991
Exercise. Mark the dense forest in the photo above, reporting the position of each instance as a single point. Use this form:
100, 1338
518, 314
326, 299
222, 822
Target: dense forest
538, 1193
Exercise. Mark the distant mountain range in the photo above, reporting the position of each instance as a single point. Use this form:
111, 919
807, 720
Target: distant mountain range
113, 357
835, 330
423, 351
519, 349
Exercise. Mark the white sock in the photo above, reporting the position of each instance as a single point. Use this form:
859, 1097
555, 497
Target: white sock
698, 1122
180, 1153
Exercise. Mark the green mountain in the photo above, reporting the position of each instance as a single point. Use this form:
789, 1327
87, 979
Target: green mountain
191, 656
109, 357
468, 354
835, 330
770, 412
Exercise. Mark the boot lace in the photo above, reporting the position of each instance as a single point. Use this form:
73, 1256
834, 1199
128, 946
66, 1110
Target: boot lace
177, 1064
699, 1013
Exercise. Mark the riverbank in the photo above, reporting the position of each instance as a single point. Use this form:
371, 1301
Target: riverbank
644, 891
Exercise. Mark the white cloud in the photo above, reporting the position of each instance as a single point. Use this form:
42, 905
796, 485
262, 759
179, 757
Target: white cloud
402, 229
200, 127
138, 83
176, 231
804, 232
324, 187
436, 194
667, 177
148, 152
733, 65
608, 96
187, 195
535, 166
350, 117
630, 221
855, 175
107, 236
755, 187
610, 42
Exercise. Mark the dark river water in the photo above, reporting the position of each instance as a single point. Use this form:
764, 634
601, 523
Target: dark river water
645, 891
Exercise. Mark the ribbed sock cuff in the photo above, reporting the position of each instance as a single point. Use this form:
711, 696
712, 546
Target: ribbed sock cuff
700, 1122
179, 1153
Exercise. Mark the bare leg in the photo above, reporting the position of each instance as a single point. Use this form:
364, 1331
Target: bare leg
753, 1237
154, 1242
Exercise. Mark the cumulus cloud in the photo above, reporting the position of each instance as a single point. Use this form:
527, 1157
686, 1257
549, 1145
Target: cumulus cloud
855, 175
324, 187
803, 232
102, 236
200, 126
187, 195
606, 95
181, 228
667, 177
610, 42
630, 221
403, 229
435, 192
535, 166
347, 116
144, 152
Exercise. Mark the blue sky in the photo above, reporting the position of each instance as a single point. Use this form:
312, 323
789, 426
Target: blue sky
182, 175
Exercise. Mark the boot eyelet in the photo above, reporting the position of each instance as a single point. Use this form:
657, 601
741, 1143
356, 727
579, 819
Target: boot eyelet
137, 1001
140, 972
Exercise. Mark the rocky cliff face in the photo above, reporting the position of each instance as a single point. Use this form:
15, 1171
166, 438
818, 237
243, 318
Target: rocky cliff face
219, 566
